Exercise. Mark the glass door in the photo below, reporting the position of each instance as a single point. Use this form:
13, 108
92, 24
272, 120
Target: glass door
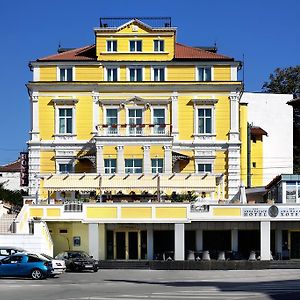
135, 119
120, 245
133, 245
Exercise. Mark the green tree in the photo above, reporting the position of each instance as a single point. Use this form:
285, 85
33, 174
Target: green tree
15, 198
283, 81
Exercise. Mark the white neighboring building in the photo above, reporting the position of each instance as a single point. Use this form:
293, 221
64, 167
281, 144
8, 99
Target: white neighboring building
271, 112
10, 175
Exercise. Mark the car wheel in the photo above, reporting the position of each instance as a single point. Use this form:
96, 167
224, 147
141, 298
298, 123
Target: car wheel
36, 274
95, 269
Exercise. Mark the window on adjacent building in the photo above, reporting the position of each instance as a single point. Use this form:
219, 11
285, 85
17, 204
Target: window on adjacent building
133, 166
204, 73
110, 166
136, 74
135, 120
135, 46
159, 74
66, 74
112, 74
112, 120
291, 192
111, 46
65, 168
159, 120
205, 120
204, 168
157, 165
65, 120
159, 45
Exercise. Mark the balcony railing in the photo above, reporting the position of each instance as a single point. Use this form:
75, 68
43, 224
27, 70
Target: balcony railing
135, 130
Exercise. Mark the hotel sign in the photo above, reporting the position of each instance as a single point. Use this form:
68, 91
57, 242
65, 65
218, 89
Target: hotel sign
272, 211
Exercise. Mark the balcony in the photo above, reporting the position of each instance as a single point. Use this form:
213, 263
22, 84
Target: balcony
134, 130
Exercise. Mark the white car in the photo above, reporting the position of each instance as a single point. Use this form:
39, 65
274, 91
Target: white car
58, 265
7, 250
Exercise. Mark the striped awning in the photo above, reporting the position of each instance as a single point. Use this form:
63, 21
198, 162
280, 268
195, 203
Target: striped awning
130, 182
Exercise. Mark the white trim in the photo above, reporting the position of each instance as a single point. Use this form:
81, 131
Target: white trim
135, 40
56, 130
135, 67
135, 106
111, 40
36, 73
233, 73
59, 161
111, 67
152, 115
213, 120
105, 108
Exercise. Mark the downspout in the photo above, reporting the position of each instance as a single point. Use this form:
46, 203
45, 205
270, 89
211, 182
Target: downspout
248, 155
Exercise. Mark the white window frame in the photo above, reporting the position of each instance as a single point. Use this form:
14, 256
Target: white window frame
106, 72
134, 167
204, 66
204, 163
196, 120
135, 67
57, 108
135, 46
109, 168
111, 41
65, 161
118, 116
156, 167
152, 108
65, 67
161, 68
159, 46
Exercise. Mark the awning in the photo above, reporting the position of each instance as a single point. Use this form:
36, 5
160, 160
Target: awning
130, 182
176, 156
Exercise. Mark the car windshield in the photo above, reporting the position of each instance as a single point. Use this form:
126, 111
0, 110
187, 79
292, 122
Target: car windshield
47, 256
78, 255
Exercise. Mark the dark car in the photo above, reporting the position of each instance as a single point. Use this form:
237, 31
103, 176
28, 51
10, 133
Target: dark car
78, 261
23, 265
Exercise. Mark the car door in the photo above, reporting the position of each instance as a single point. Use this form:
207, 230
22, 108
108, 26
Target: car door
10, 266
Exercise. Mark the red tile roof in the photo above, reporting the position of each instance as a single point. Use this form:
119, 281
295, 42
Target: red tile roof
12, 167
258, 131
191, 53
182, 52
83, 53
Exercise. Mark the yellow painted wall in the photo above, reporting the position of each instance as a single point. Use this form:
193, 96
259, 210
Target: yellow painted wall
46, 118
89, 73
133, 152
53, 212
222, 109
181, 73
47, 162
48, 73
257, 157
136, 212
186, 119
171, 213
222, 73
243, 137
157, 151
101, 212
36, 212
109, 152
84, 118
226, 212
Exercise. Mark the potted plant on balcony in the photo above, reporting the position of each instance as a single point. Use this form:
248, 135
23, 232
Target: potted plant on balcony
114, 125
123, 125
104, 125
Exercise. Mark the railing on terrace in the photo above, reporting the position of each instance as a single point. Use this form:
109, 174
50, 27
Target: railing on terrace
73, 206
134, 130
152, 21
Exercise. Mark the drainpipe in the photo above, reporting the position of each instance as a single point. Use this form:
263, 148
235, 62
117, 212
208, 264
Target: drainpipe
249, 155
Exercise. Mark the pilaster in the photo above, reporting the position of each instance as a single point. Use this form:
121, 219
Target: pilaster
175, 131
234, 133
95, 111
34, 133
146, 160
99, 159
179, 242
168, 159
120, 160
234, 171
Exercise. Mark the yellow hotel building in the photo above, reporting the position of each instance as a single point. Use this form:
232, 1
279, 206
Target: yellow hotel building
125, 126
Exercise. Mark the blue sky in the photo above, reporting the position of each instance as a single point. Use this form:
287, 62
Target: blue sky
266, 32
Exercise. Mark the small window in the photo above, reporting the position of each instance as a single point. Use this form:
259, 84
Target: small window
157, 165
204, 74
63, 231
133, 166
66, 74
159, 45
65, 168
110, 166
111, 74
136, 74
65, 120
135, 46
111, 46
159, 74
204, 168
254, 164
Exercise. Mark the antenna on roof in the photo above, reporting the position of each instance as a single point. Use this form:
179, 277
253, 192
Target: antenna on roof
59, 46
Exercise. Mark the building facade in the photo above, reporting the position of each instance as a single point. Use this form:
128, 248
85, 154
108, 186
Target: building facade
122, 128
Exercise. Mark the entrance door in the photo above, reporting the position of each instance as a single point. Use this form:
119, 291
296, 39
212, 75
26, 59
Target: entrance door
133, 245
120, 245
295, 244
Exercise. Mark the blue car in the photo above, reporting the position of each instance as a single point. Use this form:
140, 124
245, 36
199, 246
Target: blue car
25, 265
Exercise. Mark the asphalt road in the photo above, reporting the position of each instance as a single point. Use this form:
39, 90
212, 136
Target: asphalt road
157, 285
